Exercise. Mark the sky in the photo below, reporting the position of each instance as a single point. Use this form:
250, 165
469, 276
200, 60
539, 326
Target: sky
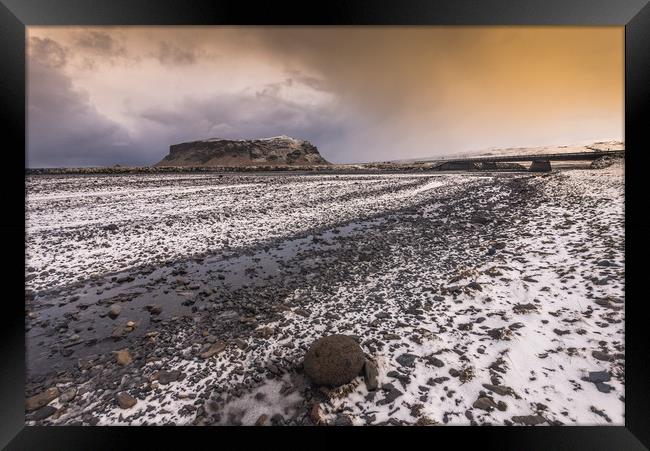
100, 96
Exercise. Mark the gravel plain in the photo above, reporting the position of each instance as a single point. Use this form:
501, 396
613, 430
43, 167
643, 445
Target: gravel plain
483, 298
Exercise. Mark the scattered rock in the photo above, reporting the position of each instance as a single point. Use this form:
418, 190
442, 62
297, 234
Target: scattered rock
529, 420
479, 219
485, 403
599, 376
434, 361
165, 377
600, 355
392, 395
42, 399
123, 357
114, 311
42, 413
314, 414
125, 401
603, 387
68, 395
474, 286
499, 389
524, 308
370, 375
215, 348
407, 360
154, 309
301, 312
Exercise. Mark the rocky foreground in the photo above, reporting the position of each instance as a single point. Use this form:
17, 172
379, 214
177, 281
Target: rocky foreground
477, 298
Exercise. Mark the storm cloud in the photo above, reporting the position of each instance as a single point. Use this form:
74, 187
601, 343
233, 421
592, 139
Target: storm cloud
122, 95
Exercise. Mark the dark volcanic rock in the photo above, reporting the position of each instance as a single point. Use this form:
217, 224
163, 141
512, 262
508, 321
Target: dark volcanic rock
370, 374
42, 413
484, 404
529, 420
276, 151
407, 360
165, 377
333, 360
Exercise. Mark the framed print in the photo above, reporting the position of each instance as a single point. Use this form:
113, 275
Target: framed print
414, 214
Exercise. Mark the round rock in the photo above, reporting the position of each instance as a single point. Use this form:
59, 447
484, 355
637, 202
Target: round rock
333, 360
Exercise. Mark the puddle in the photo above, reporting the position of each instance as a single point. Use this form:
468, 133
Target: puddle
74, 323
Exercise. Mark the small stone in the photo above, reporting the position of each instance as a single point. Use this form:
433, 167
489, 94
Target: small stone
165, 377
407, 360
302, 312
499, 389
314, 414
241, 344
114, 311
603, 387
370, 374
529, 420
392, 395
123, 357
599, 376
475, 286
37, 401
479, 219
435, 361
68, 395
484, 403
125, 401
261, 420
214, 349
342, 420
42, 413
154, 309
599, 355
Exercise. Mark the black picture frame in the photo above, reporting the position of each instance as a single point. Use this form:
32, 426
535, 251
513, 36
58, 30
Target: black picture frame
634, 15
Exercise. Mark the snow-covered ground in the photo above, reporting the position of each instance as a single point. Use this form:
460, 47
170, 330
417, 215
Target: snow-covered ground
159, 218
516, 320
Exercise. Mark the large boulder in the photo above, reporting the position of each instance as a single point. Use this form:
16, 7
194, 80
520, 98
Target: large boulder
333, 360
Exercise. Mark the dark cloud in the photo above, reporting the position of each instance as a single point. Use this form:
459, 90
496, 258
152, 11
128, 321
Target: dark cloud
64, 128
358, 93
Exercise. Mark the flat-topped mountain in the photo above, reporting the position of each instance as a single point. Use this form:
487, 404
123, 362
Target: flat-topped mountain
215, 152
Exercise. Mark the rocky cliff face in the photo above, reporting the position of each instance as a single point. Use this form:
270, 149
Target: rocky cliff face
276, 151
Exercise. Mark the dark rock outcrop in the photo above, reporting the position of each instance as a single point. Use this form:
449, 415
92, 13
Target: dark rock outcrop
276, 151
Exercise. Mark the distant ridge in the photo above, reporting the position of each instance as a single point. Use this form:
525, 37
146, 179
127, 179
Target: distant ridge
575, 148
